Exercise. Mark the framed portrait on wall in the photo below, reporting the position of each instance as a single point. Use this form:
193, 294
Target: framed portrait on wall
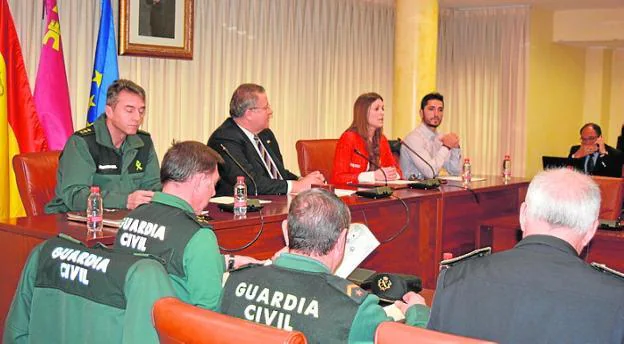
156, 28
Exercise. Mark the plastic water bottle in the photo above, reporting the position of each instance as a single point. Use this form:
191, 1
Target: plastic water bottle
466, 171
95, 211
240, 197
507, 167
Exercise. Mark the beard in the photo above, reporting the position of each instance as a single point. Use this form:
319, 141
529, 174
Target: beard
433, 124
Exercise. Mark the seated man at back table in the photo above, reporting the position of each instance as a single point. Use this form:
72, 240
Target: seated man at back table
425, 150
112, 153
595, 157
299, 291
540, 291
248, 141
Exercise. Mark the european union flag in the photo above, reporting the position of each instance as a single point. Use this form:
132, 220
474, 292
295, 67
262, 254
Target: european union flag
105, 69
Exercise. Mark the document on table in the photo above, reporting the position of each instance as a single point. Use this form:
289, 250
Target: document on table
110, 219
360, 243
459, 178
230, 200
343, 192
398, 182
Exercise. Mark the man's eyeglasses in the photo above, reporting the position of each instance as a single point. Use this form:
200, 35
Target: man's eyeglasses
589, 138
263, 108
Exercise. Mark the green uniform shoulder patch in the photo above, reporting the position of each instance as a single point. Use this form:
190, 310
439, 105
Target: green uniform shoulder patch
609, 271
352, 290
88, 131
481, 252
246, 266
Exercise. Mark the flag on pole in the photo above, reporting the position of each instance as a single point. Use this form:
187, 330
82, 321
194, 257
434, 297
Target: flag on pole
51, 90
20, 128
105, 69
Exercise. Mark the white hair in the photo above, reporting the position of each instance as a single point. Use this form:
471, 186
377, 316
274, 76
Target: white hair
564, 198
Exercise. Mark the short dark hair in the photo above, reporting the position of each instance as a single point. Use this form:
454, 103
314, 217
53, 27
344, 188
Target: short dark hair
243, 98
315, 220
112, 93
594, 126
430, 96
185, 159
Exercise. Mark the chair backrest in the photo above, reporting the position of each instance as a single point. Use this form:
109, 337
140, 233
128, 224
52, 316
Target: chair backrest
391, 332
395, 148
178, 322
316, 155
611, 192
36, 178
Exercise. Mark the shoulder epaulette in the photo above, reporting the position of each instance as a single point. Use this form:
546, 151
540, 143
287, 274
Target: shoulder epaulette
85, 131
143, 132
246, 266
203, 220
352, 290
485, 251
608, 270
70, 239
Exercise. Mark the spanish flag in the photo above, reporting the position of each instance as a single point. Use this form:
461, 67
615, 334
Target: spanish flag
20, 129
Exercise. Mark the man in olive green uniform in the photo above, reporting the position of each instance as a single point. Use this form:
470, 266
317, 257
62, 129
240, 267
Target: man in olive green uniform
299, 291
112, 153
72, 294
168, 226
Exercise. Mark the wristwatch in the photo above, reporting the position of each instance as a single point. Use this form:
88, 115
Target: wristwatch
230, 262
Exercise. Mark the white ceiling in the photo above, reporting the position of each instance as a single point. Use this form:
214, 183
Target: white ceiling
549, 4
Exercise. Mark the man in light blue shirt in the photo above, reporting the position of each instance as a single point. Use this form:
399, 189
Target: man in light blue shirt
430, 151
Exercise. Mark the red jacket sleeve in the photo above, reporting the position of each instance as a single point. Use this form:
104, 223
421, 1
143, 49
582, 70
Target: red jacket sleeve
347, 164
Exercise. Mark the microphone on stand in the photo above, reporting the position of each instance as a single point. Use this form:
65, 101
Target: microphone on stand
250, 202
376, 192
430, 183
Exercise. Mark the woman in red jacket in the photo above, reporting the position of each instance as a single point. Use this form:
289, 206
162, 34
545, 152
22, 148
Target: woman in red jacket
363, 140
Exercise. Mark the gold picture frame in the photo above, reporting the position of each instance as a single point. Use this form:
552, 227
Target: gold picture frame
156, 28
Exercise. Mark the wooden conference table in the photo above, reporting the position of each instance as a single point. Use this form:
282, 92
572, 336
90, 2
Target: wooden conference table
414, 230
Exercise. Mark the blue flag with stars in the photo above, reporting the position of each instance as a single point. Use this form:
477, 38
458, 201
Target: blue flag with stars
105, 69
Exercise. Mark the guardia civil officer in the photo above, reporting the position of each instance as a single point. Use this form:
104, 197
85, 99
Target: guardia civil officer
69, 293
168, 226
540, 291
299, 292
112, 153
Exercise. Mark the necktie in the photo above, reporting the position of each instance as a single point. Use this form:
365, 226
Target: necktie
590, 164
273, 171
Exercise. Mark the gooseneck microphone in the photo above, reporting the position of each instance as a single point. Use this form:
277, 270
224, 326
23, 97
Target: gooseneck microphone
241, 167
429, 183
377, 192
375, 165
433, 173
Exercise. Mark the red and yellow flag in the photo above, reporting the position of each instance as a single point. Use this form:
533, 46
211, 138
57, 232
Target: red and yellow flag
20, 129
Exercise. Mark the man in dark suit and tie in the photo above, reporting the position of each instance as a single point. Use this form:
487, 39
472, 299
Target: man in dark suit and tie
245, 138
595, 157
